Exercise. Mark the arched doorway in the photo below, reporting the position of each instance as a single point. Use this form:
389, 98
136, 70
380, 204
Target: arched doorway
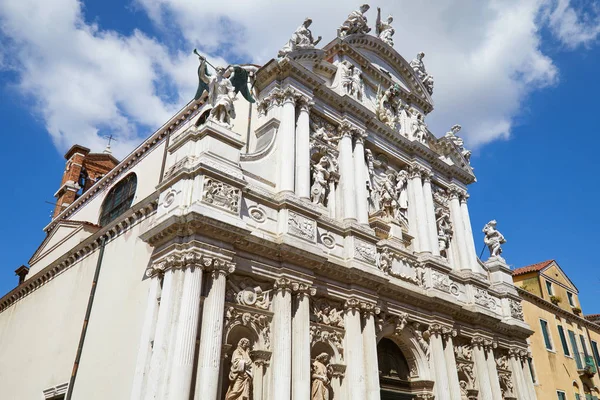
394, 373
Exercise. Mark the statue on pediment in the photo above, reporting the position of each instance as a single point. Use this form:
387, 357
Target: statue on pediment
493, 239
419, 67
301, 39
458, 142
355, 23
384, 29
222, 88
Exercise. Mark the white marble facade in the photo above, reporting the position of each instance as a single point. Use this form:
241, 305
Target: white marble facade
322, 248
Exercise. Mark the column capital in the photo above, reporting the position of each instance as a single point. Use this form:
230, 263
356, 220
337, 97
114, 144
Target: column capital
302, 289
290, 95
181, 260
456, 193
369, 309
274, 97
483, 343
305, 103
218, 267
283, 284
348, 129
415, 171
260, 357
427, 175
352, 304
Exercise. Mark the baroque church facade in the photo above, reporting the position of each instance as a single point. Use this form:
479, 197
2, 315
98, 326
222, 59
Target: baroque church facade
294, 232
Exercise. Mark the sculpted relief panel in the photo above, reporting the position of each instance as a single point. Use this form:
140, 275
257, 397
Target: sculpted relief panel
387, 190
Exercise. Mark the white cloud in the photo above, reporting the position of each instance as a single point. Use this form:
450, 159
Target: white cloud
86, 81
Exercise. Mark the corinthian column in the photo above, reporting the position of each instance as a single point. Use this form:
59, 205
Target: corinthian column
470, 243
493, 373
420, 212
514, 363
485, 390
527, 375
211, 334
353, 345
458, 241
186, 330
370, 351
301, 342
346, 168
303, 150
430, 211
437, 362
360, 174
281, 360
453, 383
287, 141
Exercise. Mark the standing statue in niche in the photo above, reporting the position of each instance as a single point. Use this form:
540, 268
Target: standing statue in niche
402, 195
419, 67
419, 128
301, 39
458, 142
355, 23
320, 178
389, 106
444, 230
320, 378
493, 239
349, 77
222, 89
240, 374
384, 30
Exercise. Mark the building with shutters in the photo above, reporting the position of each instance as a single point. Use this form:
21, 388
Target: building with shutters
312, 244
565, 345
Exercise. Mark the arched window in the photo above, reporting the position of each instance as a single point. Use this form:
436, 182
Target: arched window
118, 200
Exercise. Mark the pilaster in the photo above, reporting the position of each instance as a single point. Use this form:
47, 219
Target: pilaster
287, 140
347, 179
301, 369
369, 343
437, 363
360, 174
302, 182
281, 360
353, 343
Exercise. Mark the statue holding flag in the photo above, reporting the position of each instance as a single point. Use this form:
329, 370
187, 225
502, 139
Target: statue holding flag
222, 88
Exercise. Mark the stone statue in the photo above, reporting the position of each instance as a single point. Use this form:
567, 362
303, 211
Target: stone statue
222, 88
402, 195
324, 131
389, 105
384, 260
419, 67
493, 239
355, 23
320, 378
328, 315
240, 374
458, 142
387, 197
502, 362
463, 390
418, 127
444, 226
320, 178
384, 30
349, 78
301, 39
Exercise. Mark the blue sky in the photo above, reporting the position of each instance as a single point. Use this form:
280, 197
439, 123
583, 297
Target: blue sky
519, 76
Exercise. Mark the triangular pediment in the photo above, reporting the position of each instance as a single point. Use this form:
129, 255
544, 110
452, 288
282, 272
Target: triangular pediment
384, 64
65, 234
555, 273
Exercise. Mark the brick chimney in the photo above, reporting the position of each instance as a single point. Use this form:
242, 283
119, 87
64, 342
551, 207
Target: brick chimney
82, 170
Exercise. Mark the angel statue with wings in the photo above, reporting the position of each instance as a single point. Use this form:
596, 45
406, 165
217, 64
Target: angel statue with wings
222, 88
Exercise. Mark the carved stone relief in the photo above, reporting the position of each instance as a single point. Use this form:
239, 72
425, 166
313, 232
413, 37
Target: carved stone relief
443, 282
483, 298
463, 353
398, 266
221, 195
516, 309
388, 190
259, 322
327, 313
364, 251
301, 226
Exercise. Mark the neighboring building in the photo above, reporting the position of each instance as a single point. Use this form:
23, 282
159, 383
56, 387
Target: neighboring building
316, 244
565, 346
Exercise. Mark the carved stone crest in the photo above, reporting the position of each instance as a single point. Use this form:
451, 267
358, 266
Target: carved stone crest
221, 195
301, 226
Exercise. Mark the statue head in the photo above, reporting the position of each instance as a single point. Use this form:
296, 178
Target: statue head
420, 56
307, 22
244, 343
390, 19
455, 128
220, 70
364, 8
322, 358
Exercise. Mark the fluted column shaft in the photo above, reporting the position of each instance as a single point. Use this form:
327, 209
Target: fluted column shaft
353, 345
430, 211
303, 150
528, 379
145, 349
485, 390
370, 355
437, 362
421, 214
158, 361
493, 374
211, 334
470, 242
459, 244
287, 134
360, 173
281, 360
517, 377
186, 331
453, 382
301, 370
346, 167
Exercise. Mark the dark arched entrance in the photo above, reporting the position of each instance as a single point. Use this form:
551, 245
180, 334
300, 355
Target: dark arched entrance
393, 371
